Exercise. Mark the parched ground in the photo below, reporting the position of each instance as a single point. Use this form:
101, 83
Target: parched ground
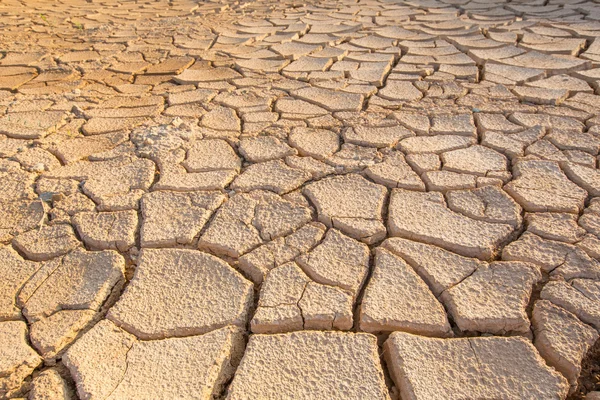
299, 200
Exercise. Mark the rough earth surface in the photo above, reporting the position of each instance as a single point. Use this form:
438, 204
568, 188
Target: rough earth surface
350, 199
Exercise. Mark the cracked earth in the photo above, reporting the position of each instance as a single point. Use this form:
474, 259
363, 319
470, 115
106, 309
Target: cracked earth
372, 199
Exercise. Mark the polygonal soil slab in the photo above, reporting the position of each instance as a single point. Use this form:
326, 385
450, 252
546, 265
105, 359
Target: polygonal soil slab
425, 217
338, 261
396, 299
574, 298
47, 242
440, 269
541, 186
109, 363
231, 232
222, 119
274, 175
561, 227
19, 216
476, 160
107, 230
460, 124
50, 385
15, 272
350, 203
434, 144
65, 295
211, 155
108, 182
206, 75
51, 335
177, 292
245, 220
171, 218
331, 100
17, 359
310, 365
81, 280
177, 177
467, 368
291, 301
561, 338
494, 298
488, 203
257, 263
376, 136
395, 172
316, 143
264, 148
275, 217
587, 178
553, 257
